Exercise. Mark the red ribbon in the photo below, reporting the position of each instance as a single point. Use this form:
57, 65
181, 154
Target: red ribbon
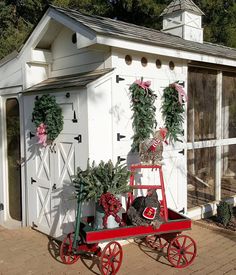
42, 134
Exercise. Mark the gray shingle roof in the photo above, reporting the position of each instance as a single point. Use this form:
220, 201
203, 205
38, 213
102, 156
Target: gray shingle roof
127, 31
182, 5
76, 80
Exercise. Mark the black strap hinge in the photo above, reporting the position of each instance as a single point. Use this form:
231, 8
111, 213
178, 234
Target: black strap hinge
118, 79
32, 180
119, 159
119, 136
78, 138
31, 135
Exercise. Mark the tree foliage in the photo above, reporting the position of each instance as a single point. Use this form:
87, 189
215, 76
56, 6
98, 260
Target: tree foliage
18, 17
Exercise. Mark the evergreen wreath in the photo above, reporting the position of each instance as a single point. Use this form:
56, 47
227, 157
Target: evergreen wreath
48, 113
173, 110
142, 105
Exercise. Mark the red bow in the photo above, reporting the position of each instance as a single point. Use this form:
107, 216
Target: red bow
143, 84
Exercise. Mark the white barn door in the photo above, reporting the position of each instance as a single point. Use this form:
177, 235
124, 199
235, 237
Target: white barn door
174, 168
51, 207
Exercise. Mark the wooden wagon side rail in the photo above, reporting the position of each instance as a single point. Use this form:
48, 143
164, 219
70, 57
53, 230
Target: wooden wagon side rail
178, 223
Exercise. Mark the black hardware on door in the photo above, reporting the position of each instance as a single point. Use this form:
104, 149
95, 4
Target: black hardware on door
118, 79
75, 120
34, 225
119, 136
182, 211
54, 187
67, 95
31, 135
1, 206
182, 83
32, 180
119, 159
181, 152
79, 138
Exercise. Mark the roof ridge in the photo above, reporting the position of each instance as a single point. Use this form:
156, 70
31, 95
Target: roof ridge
106, 18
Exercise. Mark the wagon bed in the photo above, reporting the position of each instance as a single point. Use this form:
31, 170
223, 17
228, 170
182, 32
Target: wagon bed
176, 223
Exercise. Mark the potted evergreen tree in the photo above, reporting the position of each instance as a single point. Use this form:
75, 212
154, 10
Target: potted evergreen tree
102, 183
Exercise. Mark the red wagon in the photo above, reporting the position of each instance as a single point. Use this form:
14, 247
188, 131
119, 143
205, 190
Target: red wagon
181, 249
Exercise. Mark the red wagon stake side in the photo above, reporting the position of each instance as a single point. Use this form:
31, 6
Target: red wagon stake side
180, 249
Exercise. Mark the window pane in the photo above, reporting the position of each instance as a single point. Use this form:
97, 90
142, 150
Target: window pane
229, 105
228, 178
201, 176
201, 104
13, 156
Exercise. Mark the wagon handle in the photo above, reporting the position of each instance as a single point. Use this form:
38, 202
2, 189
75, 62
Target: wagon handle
77, 225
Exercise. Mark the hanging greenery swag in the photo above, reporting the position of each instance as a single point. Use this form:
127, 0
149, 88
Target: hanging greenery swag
142, 105
48, 119
173, 100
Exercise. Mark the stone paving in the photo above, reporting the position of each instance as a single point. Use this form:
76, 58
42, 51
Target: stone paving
26, 252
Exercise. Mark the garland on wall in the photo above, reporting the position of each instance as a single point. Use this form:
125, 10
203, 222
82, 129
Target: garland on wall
142, 105
48, 119
172, 108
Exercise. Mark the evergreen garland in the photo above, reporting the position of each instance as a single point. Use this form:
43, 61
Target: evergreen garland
47, 111
142, 105
173, 112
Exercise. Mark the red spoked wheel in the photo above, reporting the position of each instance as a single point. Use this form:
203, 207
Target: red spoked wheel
66, 250
156, 242
181, 251
111, 258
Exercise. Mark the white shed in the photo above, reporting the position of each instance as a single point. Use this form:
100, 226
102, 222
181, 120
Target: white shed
88, 63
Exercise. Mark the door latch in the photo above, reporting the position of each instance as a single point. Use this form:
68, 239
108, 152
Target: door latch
1, 206
75, 120
181, 152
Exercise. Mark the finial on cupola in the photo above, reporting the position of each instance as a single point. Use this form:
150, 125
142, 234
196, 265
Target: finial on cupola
184, 19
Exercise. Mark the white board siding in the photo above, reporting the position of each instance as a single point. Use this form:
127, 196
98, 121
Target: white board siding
35, 73
67, 59
100, 120
11, 74
175, 163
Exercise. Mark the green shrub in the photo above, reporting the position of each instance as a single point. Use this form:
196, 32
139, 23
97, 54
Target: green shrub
224, 212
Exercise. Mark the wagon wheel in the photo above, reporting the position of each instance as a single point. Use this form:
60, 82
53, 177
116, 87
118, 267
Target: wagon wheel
156, 242
181, 251
66, 250
111, 259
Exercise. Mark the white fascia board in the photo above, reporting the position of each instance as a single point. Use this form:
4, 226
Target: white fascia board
161, 51
36, 35
85, 36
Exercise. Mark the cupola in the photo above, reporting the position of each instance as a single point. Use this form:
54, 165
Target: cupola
184, 19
